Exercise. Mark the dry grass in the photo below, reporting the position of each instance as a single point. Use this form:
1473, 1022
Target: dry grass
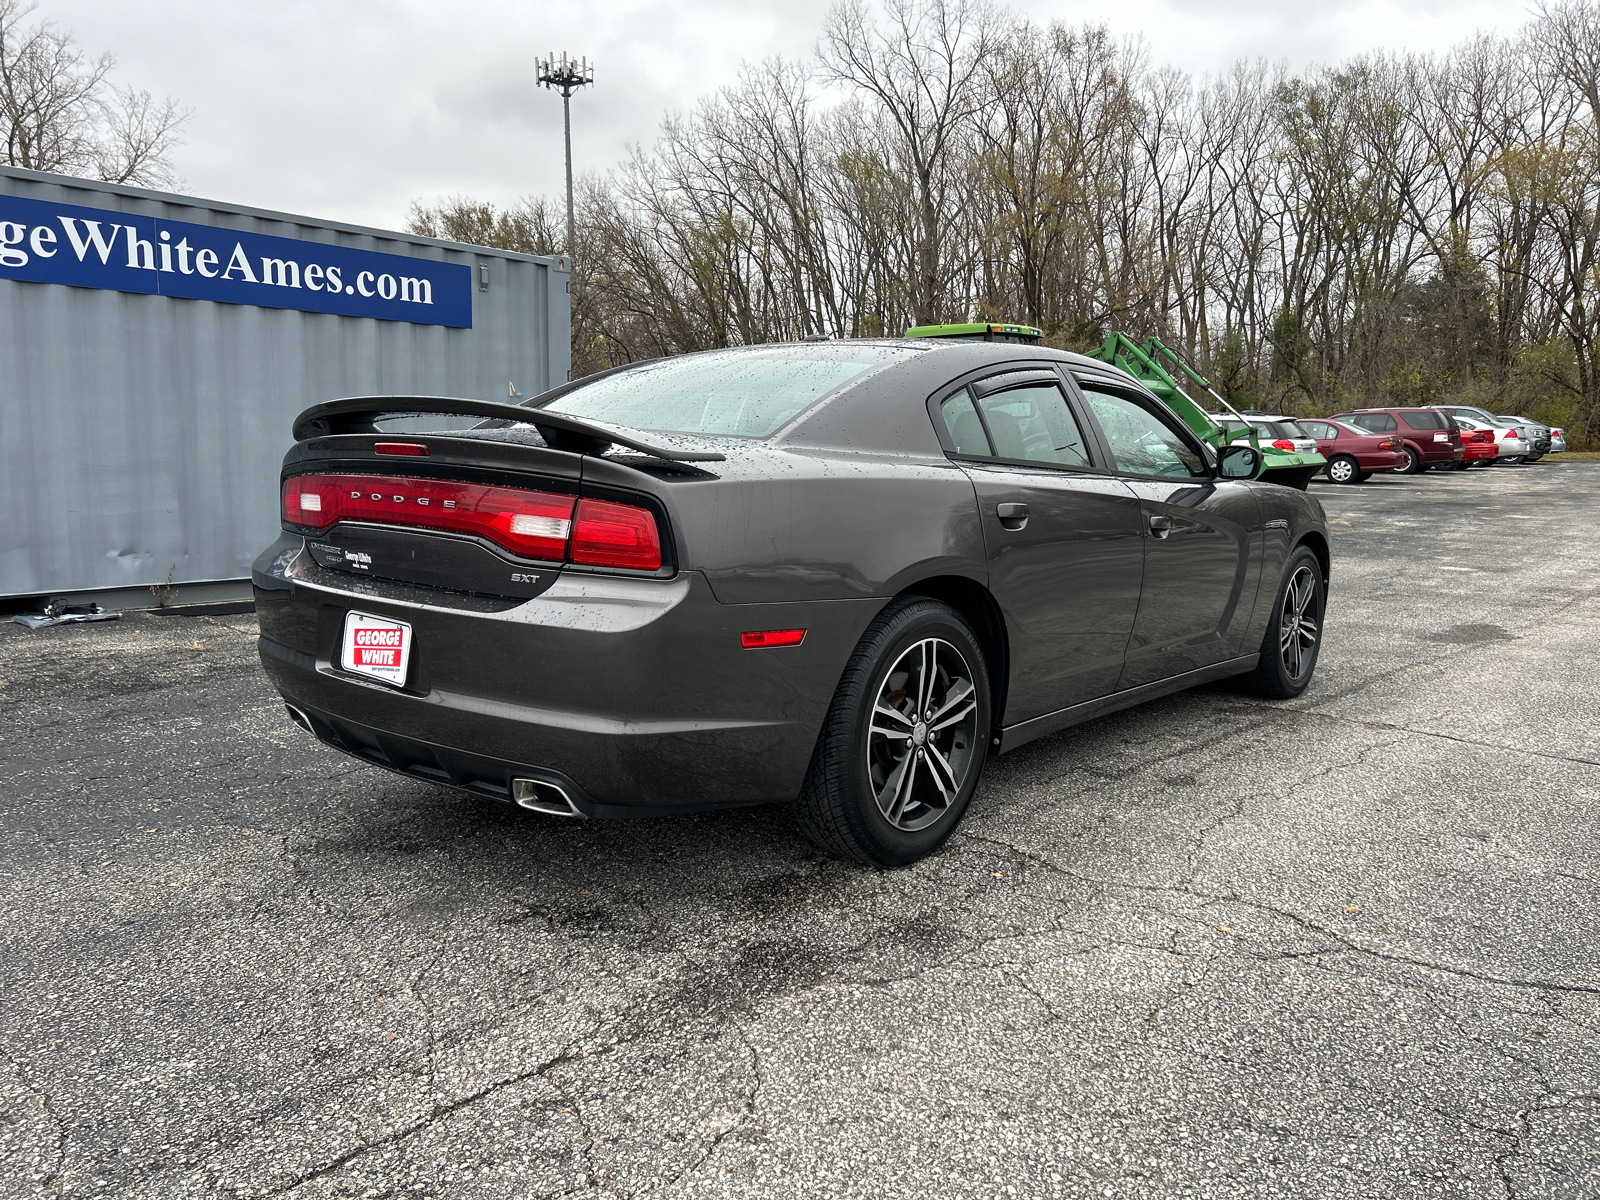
1575, 456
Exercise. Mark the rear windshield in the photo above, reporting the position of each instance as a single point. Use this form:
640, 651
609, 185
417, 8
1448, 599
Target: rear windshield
1279, 429
1267, 429
743, 393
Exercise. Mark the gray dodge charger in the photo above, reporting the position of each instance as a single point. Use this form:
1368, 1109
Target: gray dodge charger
834, 574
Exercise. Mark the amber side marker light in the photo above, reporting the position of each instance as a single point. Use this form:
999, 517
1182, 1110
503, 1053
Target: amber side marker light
411, 449
772, 637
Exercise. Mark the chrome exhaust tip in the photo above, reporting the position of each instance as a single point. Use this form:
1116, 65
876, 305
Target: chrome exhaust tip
542, 797
299, 718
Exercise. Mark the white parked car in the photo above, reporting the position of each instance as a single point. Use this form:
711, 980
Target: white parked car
1558, 440
1509, 443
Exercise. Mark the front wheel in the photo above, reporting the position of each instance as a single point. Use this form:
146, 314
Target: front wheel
1294, 634
904, 741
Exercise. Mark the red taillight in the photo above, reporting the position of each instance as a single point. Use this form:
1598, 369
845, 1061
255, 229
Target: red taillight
1283, 444
772, 637
1385, 445
410, 449
608, 534
528, 523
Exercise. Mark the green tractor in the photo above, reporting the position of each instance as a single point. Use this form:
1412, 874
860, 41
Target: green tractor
1144, 361
985, 331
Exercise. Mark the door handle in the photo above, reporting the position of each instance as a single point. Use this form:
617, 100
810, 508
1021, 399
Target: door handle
1012, 515
1160, 526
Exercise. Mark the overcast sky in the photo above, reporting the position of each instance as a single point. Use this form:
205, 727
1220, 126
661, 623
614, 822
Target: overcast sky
350, 109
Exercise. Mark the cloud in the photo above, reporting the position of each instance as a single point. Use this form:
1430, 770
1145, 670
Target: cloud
349, 109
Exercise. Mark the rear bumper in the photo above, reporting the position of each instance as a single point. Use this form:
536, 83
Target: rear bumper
635, 692
1382, 460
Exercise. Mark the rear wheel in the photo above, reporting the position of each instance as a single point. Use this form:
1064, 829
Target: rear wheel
904, 741
1509, 461
1412, 465
1294, 634
1364, 476
1344, 469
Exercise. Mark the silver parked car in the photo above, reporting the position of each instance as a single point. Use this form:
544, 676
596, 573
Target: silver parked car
1558, 441
1538, 434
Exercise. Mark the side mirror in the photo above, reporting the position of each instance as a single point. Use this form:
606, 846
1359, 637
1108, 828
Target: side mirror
1238, 461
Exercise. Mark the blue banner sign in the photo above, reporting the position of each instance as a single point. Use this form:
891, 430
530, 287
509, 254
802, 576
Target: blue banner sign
41, 242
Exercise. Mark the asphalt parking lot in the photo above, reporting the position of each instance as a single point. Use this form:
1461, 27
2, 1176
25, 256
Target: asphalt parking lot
1212, 947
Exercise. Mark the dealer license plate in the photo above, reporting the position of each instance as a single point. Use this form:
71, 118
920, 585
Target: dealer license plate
377, 648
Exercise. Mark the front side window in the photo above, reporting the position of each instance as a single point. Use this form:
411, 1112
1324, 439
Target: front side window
1142, 443
743, 393
1034, 424
1376, 422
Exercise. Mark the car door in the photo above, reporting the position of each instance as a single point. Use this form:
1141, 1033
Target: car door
1326, 433
1064, 537
1202, 538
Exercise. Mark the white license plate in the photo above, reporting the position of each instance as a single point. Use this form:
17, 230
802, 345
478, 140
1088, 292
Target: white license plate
377, 648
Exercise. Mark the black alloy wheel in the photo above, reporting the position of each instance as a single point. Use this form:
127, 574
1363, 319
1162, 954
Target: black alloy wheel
1344, 469
1293, 637
1413, 463
905, 740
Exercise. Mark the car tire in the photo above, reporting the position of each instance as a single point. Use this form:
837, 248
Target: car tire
1364, 476
1533, 458
1344, 469
857, 802
1511, 461
1293, 639
1412, 465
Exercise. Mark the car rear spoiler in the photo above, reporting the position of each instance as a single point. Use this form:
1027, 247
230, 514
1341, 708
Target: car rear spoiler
360, 414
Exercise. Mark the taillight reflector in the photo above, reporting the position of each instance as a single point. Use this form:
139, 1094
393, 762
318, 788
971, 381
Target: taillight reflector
411, 449
530, 524
772, 637
608, 534
1283, 444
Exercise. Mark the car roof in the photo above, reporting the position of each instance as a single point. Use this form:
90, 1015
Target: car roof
1394, 408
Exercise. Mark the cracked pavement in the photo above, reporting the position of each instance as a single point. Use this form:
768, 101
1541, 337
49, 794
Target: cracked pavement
1210, 947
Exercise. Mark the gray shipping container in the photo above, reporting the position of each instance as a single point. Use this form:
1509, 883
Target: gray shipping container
141, 433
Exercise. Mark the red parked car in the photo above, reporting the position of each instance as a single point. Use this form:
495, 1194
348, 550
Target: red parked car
1477, 445
1354, 453
1428, 437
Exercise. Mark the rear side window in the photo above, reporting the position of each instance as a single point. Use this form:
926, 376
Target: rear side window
1424, 420
745, 393
1320, 429
962, 424
1377, 422
1033, 424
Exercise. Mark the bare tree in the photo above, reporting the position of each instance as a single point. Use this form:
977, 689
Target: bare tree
59, 111
924, 71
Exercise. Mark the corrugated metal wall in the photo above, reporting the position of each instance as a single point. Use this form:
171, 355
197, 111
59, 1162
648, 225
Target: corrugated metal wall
140, 435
